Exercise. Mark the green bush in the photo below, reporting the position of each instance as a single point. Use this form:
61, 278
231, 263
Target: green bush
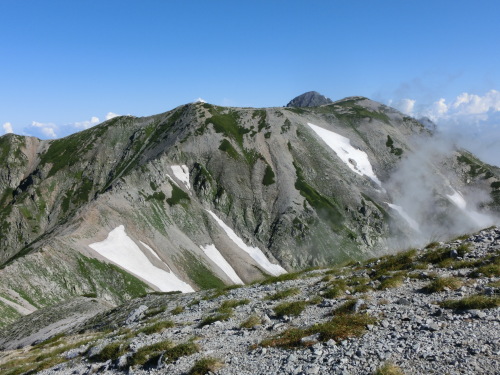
391, 282
442, 283
290, 308
157, 327
472, 302
111, 351
283, 294
389, 368
181, 350
228, 305
251, 322
177, 310
142, 355
215, 318
205, 365
338, 328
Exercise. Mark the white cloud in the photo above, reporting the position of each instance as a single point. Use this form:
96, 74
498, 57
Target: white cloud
110, 115
470, 104
49, 132
87, 124
473, 120
47, 129
200, 100
407, 106
7, 127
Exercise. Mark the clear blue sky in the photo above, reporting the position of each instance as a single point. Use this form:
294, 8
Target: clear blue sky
68, 61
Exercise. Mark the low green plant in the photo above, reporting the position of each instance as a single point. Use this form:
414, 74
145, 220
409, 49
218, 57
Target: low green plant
215, 318
251, 322
343, 326
157, 327
472, 302
315, 300
143, 354
282, 277
283, 294
180, 350
205, 365
229, 305
389, 368
392, 281
397, 262
336, 289
290, 308
443, 283
489, 270
111, 351
346, 308
177, 310
338, 328
155, 311
494, 284
463, 249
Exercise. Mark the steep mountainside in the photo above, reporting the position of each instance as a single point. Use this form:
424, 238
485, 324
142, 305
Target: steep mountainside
203, 196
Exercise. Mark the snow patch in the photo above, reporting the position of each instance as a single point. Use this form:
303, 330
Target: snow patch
457, 199
412, 223
354, 158
181, 172
254, 252
215, 255
123, 251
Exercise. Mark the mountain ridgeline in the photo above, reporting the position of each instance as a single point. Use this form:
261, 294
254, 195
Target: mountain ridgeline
204, 196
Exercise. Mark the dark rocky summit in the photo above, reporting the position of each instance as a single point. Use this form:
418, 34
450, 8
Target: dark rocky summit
309, 99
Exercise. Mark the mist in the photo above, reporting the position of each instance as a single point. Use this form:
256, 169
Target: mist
434, 203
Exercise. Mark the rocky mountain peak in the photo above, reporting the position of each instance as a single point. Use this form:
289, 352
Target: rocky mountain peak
309, 99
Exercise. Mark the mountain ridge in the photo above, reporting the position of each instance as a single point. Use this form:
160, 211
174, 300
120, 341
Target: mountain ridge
285, 195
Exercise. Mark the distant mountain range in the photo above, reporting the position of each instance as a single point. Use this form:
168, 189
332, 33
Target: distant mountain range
203, 196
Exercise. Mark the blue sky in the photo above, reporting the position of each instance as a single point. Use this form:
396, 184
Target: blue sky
67, 65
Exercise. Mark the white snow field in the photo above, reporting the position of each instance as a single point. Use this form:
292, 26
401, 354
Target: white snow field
215, 255
254, 252
457, 199
355, 159
181, 172
123, 251
412, 223
480, 219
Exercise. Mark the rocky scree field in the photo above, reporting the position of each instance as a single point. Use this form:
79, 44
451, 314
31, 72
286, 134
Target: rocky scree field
433, 310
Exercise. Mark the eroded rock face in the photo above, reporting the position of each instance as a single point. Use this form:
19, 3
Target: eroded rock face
309, 99
283, 195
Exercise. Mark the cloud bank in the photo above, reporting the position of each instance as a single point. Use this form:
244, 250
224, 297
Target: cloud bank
50, 130
472, 120
7, 128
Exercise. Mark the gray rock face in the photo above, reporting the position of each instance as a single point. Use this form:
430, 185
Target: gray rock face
309, 99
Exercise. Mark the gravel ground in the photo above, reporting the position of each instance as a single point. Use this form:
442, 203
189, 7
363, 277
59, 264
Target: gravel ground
411, 329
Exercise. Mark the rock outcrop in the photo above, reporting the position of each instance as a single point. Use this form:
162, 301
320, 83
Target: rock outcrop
309, 99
